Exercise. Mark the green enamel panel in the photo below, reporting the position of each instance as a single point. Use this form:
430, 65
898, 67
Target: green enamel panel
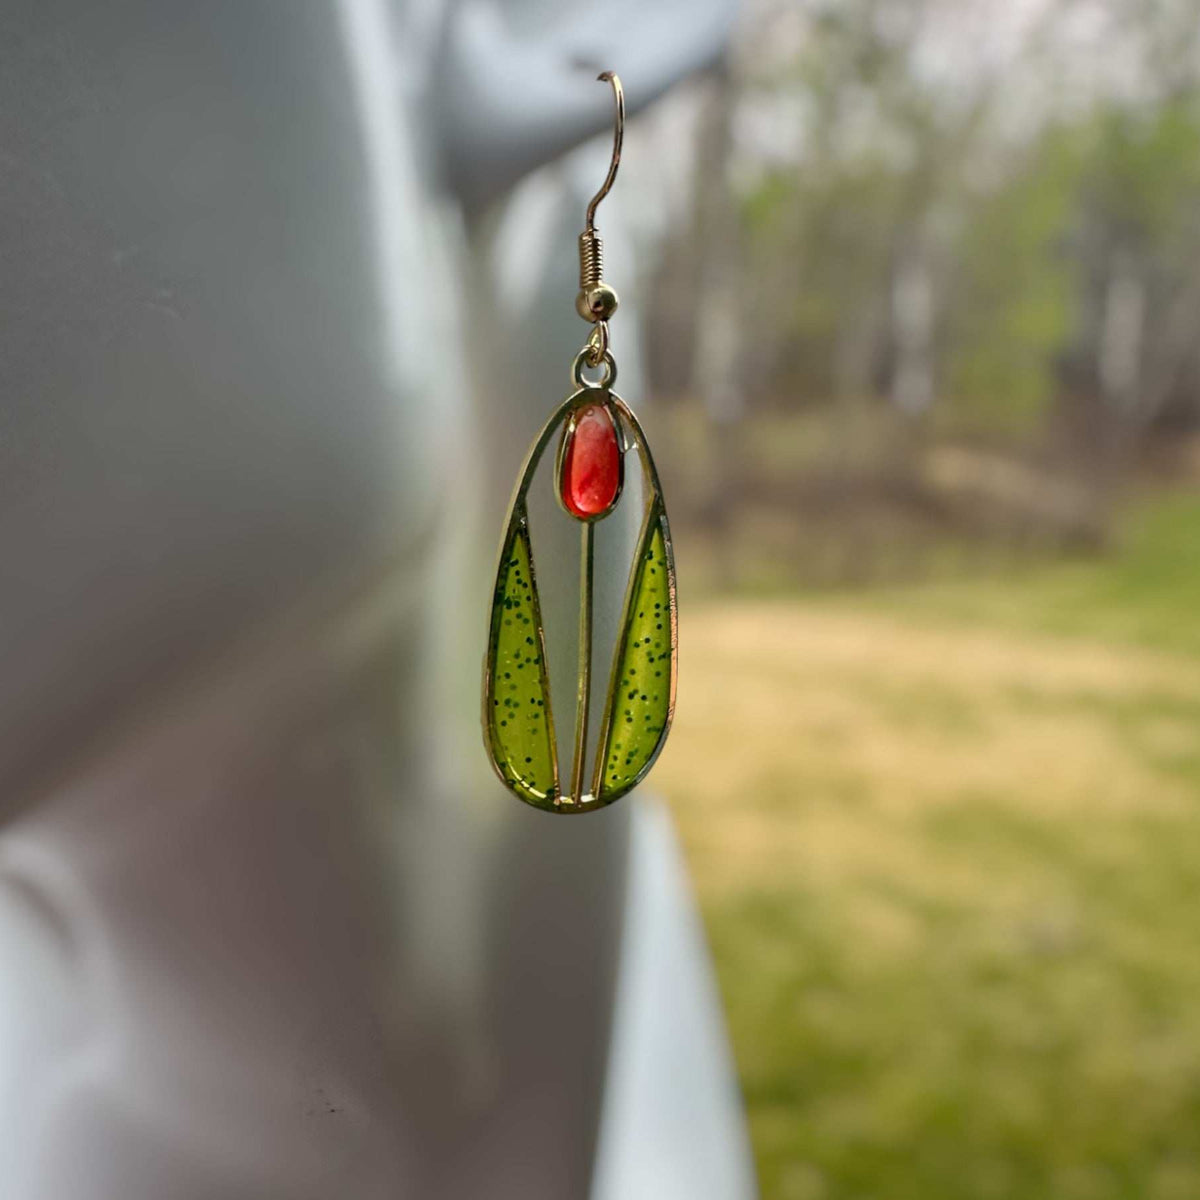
641, 693
520, 725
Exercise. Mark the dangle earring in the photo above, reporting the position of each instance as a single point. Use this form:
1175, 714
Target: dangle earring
598, 431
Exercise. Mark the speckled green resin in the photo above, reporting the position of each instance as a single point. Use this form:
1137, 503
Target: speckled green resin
641, 695
519, 722
640, 685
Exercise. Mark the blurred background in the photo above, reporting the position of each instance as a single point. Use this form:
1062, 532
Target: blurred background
923, 342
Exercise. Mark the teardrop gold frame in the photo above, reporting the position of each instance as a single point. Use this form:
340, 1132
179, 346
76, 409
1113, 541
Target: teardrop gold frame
654, 514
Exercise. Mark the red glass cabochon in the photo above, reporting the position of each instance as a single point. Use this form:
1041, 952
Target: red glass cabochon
591, 463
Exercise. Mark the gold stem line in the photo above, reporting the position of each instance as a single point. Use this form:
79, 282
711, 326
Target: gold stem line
586, 573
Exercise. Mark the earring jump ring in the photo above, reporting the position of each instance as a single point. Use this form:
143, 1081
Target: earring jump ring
606, 380
597, 344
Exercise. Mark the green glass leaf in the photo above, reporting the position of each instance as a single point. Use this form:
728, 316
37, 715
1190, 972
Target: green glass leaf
643, 683
517, 697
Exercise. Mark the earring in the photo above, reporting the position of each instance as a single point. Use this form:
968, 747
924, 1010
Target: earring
598, 429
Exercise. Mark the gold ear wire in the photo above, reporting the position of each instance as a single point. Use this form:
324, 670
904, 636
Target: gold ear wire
618, 139
597, 301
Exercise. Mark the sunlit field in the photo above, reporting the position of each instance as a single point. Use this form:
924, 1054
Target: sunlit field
947, 843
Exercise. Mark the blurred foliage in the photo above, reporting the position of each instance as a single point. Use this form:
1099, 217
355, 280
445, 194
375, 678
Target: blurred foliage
949, 876
987, 221
1145, 594
948, 349
1013, 310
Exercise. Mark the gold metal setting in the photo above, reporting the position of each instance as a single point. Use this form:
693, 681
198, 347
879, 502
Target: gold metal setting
640, 694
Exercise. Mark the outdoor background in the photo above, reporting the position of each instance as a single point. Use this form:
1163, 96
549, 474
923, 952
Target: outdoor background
927, 403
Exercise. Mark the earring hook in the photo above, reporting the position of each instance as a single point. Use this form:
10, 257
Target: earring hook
618, 138
596, 301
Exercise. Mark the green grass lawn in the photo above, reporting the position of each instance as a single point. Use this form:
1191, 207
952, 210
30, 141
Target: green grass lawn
947, 843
